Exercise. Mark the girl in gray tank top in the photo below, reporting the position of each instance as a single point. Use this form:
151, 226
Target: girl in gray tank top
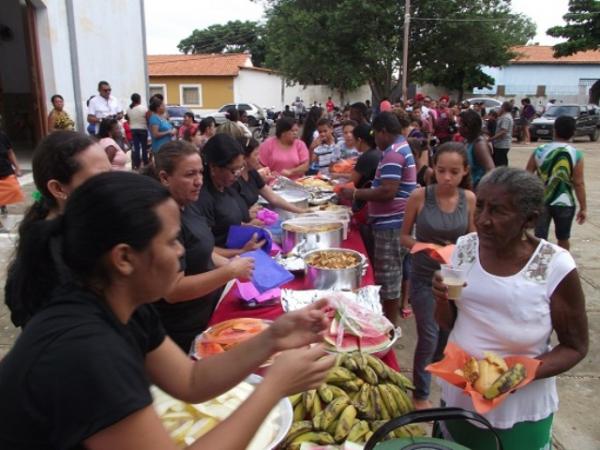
440, 214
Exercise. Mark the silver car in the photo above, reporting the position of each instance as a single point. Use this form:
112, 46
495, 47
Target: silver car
256, 115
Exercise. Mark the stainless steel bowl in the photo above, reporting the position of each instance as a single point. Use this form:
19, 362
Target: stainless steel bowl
336, 279
296, 198
299, 243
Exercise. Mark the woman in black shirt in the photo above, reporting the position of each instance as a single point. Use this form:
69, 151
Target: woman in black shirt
219, 200
79, 374
187, 308
250, 184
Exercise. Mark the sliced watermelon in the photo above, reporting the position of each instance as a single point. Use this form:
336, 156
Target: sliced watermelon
349, 343
372, 344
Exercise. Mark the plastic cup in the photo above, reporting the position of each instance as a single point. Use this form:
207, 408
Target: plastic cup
455, 279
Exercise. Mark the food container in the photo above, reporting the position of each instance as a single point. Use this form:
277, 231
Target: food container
297, 198
346, 278
300, 237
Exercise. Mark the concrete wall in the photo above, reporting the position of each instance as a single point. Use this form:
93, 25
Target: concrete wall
261, 88
320, 93
216, 91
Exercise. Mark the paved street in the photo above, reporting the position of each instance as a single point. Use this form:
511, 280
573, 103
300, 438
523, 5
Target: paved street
576, 423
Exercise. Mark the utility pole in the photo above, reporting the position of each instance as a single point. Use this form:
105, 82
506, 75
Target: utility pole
405, 51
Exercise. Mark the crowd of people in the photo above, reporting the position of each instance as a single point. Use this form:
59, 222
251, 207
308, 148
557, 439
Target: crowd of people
102, 242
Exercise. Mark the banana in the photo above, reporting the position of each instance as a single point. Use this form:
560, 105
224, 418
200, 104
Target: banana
369, 375
371, 412
378, 366
402, 432
416, 430
358, 431
362, 399
332, 427
317, 421
325, 393
380, 409
368, 436
376, 424
296, 430
400, 380
295, 399
339, 359
320, 438
339, 375
350, 364
316, 407
308, 398
299, 412
389, 400
361, 360
506, 381
405, 404
337, 391
332, 411
345, 423
350, 386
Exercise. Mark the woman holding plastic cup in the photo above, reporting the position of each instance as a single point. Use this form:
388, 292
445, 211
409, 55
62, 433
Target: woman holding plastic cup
440, 214
518, 291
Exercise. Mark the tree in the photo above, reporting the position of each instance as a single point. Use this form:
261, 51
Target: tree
451, 41
233, 37
582, 29
346, 43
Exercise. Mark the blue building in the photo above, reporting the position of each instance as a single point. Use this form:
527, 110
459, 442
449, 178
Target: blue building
536, 74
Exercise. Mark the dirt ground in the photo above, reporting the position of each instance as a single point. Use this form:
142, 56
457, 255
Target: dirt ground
576, 423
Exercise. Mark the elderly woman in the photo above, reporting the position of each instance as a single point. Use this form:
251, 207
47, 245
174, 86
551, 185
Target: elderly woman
58, 119
519, 290
284, 153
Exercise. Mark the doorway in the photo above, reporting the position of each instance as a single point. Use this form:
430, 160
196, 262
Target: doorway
595, 93
22, 105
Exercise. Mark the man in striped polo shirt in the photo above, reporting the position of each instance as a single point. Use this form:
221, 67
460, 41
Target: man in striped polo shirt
395, 179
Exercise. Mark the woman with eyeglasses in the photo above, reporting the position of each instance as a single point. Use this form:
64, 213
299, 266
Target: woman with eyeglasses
219, 200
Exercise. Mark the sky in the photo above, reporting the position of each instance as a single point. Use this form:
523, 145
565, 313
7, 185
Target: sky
168, 22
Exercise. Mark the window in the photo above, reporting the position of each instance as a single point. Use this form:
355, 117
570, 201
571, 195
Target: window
244, 107
190, 94
158, 89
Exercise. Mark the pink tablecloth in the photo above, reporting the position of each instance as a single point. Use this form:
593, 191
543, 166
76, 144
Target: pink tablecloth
231, 307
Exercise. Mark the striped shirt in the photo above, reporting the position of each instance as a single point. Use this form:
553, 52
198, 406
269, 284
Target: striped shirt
397, 163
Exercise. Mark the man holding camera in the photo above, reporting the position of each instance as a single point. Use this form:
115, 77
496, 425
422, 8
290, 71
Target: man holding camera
102, 106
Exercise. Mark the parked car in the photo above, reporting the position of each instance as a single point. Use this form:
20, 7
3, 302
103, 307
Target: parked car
587, 121
175, 113
256, 114
488, 103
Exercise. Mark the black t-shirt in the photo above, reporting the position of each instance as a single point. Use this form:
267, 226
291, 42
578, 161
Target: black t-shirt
366, 166
221, 209
6, 167
74, 371
250, 190
185, 320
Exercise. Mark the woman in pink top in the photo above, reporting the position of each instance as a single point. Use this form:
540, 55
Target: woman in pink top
110, 134
285, 153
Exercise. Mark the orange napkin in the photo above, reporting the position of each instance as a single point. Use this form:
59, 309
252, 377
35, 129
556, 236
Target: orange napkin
343, 166
455, 358
441, 253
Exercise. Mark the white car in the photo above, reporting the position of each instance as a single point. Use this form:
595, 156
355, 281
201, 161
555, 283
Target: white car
255, 113
488, 103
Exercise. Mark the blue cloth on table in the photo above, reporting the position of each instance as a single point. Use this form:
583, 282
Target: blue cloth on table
268, 274
240, 234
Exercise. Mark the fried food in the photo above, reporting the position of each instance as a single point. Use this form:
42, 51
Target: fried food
333, 259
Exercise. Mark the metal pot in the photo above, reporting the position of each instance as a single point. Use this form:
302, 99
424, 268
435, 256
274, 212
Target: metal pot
302, 242
337, 279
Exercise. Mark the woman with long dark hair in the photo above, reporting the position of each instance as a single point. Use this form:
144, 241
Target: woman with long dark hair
61, 162
479, 150
440, 213
79, 375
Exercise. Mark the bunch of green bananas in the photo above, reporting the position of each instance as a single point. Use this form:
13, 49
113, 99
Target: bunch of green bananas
359, 395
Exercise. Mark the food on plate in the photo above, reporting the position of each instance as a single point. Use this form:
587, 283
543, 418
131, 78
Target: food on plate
359, 395
311, 227
491, 376
354, 327
186, 423
331, 207
316, 183
333, 259
225, 335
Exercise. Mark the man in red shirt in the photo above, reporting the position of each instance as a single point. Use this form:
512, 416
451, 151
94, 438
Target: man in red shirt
329, 106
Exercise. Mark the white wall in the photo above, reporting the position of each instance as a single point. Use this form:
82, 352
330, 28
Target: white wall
261, 88
320, 93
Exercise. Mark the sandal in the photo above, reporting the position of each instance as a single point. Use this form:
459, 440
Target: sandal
406, 313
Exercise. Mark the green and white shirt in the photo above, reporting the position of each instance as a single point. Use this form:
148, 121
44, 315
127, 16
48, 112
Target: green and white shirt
555, 165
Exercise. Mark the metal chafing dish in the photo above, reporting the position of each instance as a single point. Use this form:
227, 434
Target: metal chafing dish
301, 236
